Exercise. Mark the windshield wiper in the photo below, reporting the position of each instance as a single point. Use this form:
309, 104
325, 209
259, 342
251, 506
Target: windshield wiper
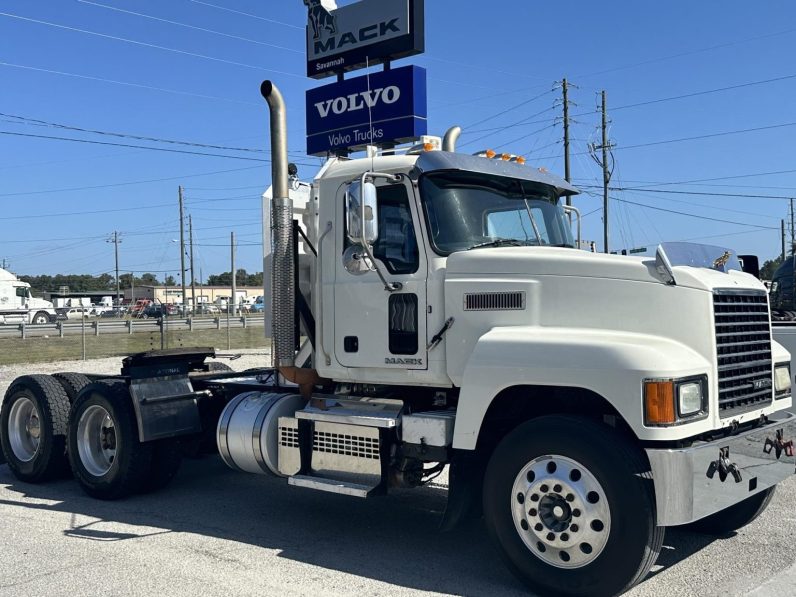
499, 242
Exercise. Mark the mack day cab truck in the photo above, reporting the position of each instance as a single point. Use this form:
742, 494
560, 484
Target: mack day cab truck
17, 304
443, 304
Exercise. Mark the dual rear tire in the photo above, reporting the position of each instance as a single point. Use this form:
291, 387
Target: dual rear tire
52, 424
105, 453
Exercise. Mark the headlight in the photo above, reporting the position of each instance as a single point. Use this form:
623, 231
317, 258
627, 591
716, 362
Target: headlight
689, 398
782, 380
674, 401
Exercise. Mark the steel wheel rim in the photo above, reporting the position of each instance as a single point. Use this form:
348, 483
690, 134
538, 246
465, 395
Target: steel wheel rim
560, 511
24, 429
96, 440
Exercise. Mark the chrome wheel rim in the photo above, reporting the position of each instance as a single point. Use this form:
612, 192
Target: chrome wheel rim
24, 429
560, 511
96, 440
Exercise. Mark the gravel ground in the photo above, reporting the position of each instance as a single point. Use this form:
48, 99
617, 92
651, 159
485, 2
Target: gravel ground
214, 531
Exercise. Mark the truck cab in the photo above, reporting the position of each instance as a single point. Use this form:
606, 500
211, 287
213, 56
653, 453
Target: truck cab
17, 304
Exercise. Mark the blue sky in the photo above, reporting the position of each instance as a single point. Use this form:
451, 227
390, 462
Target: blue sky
60, 200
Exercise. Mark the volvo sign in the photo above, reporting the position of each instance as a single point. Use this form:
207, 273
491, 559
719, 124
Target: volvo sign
366, 32
377, 109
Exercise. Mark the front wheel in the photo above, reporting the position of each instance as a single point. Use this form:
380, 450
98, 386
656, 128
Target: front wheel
41, 318
569, 505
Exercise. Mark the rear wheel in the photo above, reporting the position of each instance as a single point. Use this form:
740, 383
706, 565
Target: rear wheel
34, 421
72, 383
733, 518
570, 508
106, 457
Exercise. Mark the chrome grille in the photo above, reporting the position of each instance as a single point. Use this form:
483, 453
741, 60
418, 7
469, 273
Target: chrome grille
743, 342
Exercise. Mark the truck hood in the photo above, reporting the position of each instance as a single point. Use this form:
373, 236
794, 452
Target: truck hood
555, 261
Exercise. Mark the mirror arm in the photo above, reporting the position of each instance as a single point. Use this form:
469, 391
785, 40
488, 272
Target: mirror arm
576, 211
388, 286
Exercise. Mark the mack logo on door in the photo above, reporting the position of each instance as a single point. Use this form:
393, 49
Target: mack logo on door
348, 115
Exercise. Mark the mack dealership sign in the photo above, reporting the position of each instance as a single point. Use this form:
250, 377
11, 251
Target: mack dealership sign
389, 107
366, 32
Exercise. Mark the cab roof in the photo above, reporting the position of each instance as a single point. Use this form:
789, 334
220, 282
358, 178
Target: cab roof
445, 160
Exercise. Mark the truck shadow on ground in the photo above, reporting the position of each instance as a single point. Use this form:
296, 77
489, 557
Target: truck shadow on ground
392, 539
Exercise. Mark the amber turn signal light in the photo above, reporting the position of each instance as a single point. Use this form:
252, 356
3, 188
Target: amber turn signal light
659, 403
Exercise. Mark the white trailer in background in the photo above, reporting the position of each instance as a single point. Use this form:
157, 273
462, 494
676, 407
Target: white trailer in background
17, 304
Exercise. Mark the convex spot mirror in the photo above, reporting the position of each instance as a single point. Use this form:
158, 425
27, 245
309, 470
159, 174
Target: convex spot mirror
361, 207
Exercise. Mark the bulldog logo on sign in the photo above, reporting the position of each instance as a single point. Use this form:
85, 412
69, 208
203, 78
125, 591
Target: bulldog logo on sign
320, 17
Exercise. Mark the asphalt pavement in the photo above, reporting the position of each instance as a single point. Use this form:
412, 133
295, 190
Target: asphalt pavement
218, 532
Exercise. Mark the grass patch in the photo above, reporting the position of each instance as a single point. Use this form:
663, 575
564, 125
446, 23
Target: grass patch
42, 350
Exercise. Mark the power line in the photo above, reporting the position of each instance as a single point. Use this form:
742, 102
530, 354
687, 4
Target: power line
128, 84
710, 135
128, 183
148, 45
705, 193
688, 53
247, 14
130, 136
510, 109
144, 147
692, 215
214, 32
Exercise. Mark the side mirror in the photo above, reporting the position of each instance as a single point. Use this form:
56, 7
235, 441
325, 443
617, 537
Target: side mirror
361, 208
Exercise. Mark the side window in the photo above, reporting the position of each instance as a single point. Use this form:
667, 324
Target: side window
22, 292
397, 243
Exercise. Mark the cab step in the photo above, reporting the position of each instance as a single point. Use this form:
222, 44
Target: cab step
331, 486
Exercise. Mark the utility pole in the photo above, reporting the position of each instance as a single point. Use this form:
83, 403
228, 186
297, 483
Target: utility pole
193, 276
182, 249
606, 173
116, 241
791, 228
782, 230
564, 91
234, 277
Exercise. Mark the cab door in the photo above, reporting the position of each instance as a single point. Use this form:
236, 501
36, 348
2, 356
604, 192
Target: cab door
374, 327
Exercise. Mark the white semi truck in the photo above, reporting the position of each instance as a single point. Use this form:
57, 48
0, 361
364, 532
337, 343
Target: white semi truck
582, 403
17, 304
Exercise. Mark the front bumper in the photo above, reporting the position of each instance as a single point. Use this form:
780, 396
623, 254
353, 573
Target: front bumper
684, 492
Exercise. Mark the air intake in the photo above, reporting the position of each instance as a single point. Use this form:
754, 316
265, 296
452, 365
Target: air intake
494, 301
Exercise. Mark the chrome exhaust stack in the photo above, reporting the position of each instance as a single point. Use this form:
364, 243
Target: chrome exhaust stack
450, 139
283, 292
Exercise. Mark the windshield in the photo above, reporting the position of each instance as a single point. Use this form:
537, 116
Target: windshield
467, 210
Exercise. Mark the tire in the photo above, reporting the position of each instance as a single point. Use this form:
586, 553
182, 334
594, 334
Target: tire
106, 457
72, 383
33, 427
166, 460
566, 485
733, 518
41, 318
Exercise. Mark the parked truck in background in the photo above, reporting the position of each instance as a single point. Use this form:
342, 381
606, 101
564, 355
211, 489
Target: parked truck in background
442, 301
17, 304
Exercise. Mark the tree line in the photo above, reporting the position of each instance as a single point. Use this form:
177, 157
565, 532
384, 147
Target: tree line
76, 283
